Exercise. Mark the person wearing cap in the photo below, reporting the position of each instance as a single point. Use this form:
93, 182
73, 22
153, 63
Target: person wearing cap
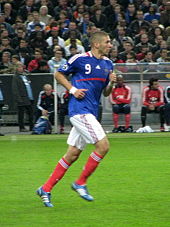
44, 16
120, 99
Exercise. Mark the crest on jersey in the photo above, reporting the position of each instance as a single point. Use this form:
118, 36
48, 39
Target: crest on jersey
65, 67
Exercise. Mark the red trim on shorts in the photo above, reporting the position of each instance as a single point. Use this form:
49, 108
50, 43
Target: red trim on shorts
90, 129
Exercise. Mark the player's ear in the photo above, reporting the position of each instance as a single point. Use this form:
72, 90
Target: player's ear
97, 45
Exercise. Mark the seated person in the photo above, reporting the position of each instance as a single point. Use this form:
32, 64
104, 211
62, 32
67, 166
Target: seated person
120, 99
167, 107
153, 101
45, 103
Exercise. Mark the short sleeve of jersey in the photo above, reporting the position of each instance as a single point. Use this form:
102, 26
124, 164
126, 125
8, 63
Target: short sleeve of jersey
70, 66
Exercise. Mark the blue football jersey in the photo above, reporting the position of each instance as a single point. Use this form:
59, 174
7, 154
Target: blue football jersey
89, 73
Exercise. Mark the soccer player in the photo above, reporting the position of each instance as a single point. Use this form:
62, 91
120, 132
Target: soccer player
153, 101
120, 99
92, 74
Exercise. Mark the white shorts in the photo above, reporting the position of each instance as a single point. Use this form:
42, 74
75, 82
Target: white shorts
86, 129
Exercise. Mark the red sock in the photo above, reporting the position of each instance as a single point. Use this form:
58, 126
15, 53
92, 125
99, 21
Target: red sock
115, 120
127, 120
58, 173
89, 168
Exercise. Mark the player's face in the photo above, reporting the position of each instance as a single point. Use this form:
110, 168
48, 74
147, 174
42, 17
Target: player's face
119, 81
155, 85
48, 91
105, 46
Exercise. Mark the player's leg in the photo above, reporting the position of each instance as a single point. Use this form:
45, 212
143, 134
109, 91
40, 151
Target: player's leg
167, 114
21, 118
29, 110
160, 110
60, 169
126, 111
92, 133
37, 115
116, 111
101, 148
143, 115
62, 119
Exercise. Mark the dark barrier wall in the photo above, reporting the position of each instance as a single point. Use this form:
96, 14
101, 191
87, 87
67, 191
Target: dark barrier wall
37, 82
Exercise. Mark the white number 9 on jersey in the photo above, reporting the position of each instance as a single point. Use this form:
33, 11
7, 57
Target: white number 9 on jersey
87, 68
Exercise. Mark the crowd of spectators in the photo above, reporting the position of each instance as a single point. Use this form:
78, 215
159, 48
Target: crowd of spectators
40, 33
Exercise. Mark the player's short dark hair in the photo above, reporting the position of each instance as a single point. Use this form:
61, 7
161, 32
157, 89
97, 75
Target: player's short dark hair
152, 80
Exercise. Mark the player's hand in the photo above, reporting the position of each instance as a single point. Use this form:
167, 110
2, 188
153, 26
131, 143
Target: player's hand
112, 77
80, 93
44, 112
119, 97
151, 107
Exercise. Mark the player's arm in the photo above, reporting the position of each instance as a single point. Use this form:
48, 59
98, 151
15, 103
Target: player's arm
145, 100
109, 87
78, 93
161, 97
127, 97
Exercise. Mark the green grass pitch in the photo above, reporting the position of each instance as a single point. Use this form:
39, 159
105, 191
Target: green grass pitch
131, 187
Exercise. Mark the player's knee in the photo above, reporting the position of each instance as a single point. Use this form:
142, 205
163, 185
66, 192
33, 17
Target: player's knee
102, 147
116, 109
127, 109
106, 146
72, 154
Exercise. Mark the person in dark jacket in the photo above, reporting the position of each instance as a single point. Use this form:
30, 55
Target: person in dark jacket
45, 103
22, 93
